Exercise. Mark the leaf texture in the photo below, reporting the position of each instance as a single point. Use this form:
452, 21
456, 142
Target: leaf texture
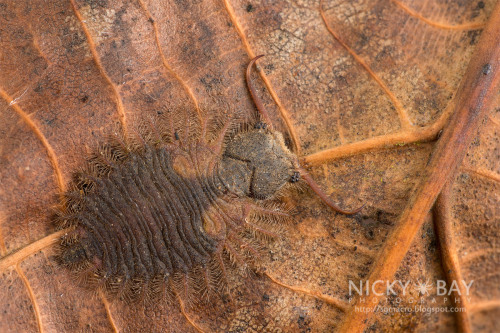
360, 89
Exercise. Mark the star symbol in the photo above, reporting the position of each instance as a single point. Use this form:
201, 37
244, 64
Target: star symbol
423, 287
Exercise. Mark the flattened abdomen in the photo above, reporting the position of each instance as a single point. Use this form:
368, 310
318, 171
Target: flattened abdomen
141, 222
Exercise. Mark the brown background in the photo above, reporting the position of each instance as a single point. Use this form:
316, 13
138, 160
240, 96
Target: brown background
365, 91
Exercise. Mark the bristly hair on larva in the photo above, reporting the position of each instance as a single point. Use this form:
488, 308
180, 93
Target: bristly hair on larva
173, 207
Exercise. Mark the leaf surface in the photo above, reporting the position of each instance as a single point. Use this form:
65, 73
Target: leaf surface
361, 89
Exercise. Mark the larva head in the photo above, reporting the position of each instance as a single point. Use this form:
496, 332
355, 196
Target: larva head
276, 175
257, 163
